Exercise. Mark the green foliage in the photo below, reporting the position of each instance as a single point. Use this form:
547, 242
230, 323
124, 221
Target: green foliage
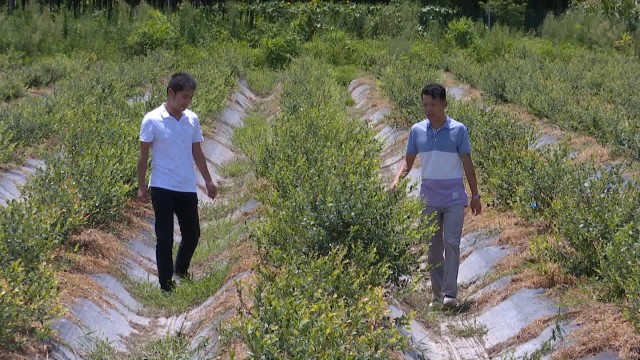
625, 12
588, 213
7, 144
27, 120
262, 81
344, 74
404, 78
332, 234
319, 308
28, 290
434, 15
153, 32
216, 69
27, 295
620, 267
11, 85
31, 31
49, 70
591, 29
498, 41
253, 137
502, 169
597, 101
625, 43
335, 47
186, 296
507, 12
461, 32
279, 50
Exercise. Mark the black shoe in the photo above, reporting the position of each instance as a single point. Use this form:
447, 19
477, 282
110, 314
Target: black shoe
169, 286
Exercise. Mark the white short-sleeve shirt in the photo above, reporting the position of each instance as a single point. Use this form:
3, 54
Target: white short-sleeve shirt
172, 164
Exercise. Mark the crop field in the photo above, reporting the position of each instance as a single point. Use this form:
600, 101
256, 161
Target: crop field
306, 251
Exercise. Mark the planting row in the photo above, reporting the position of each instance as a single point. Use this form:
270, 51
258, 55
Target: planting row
91, 122
590, 208
332, 234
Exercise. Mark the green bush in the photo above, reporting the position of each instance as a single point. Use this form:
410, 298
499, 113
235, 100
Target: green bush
589, 29
348, 207
403, 79
279, 50
7, 144
344, 74
332, 235
27, 302
620, 267
498, 41
11, 85
262, 81
507, 12
153, 32
589, 212
33, 31
28, 290
461, 33
502, 169
434, 15
334, 47
28, 120
319, 308
48, 70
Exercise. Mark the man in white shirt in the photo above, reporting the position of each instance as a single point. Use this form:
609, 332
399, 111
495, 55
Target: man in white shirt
172, 133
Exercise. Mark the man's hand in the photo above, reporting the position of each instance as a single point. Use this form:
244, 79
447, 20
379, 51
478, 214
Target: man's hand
212, 189
143, 195
476, 206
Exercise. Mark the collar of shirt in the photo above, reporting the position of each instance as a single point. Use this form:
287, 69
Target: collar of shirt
165, 113
446, 125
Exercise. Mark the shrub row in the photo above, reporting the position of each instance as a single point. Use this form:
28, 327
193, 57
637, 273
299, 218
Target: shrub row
590, 208
332, 234
90, 172
588, 91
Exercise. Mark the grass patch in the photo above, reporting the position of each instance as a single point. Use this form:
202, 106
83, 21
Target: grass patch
221, 209
418, 300
102, 351
468, 329
262, 80
186, 295
235, 168
174, 347
216, 237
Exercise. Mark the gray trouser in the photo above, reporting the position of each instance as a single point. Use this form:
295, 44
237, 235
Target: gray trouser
444, 248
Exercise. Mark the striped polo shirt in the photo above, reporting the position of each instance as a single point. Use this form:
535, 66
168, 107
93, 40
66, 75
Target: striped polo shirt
440, 151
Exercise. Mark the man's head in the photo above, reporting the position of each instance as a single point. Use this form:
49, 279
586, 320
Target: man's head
180, 91
434, 100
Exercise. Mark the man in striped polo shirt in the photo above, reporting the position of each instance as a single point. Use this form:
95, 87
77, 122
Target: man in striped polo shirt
445, 151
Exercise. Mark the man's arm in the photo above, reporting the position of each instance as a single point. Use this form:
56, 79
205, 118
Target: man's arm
405, 167
470, 172
201, 163
143, 159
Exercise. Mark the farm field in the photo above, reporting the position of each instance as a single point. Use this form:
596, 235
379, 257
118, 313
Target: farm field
306, 253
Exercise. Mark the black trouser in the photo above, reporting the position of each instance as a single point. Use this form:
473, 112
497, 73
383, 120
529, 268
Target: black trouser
185, 206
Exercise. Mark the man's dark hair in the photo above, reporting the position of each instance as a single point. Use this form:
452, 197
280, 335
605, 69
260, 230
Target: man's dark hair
181, 81
435, 91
